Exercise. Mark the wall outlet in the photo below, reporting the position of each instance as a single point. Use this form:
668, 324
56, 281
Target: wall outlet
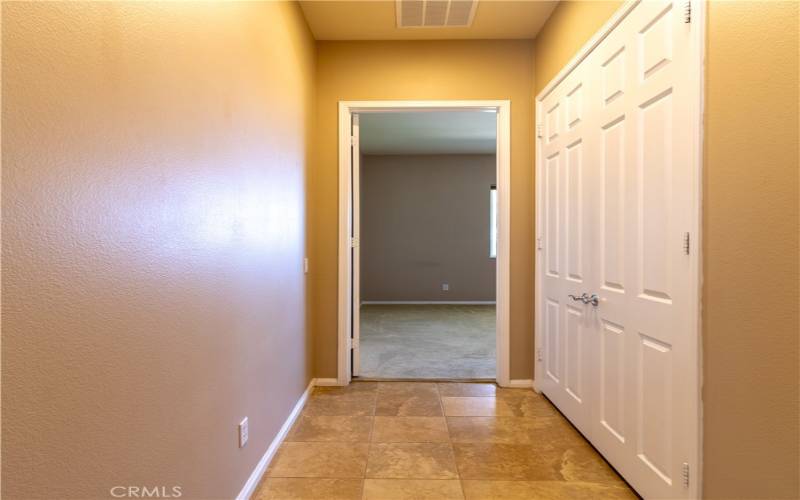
445, 287
243, 431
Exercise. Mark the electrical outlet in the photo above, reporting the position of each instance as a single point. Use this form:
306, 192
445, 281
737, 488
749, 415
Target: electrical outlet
445, 287
243, 431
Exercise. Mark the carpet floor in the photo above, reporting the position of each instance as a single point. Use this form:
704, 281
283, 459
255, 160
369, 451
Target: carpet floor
428, 341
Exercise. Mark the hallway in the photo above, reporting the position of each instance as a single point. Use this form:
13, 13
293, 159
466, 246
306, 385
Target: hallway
393, 440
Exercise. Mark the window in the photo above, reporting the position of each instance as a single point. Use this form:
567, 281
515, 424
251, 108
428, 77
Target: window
493, 222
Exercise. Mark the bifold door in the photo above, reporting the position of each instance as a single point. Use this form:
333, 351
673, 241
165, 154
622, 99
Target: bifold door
617, 215
355, 244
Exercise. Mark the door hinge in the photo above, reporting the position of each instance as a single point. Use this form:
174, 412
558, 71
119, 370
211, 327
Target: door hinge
539, 131
352, 140
686, 246
352, 343
685, 474
539, 354
539, 243
354, 242
687, 12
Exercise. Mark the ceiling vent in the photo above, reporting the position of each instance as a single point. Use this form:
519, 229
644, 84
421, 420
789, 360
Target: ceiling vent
435, 13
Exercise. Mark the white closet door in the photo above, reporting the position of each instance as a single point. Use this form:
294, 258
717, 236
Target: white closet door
565, 217
637, 361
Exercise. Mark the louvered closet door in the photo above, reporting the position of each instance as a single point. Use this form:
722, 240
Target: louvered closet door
566, 203
621, 371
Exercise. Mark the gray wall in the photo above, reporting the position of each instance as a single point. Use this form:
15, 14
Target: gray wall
424, 222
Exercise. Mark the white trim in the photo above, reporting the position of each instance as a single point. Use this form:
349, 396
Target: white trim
503, 155
697, 76
521, 383
261, 467
443, 302
698, 68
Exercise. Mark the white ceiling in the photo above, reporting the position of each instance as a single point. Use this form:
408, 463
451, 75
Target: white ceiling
377, 20
428, 132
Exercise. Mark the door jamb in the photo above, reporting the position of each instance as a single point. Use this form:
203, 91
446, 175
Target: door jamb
503, 182
697, 8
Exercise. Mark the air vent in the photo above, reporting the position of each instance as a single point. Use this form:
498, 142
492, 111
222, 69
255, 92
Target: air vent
435, 13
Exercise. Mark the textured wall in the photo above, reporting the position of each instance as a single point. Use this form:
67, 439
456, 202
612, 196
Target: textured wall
152, 242
751, 323
421, 70
751, 288
424, 222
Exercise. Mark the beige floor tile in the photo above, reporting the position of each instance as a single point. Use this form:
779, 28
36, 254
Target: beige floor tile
309, 489
455, 389
408, 399
543, 490
357, 404
410, 430
512, 430
351, 388
342, 429
528, 404
412, 489
476, 407
509, 393
328, 460
497, 461
583, 463
406, 388
411, 461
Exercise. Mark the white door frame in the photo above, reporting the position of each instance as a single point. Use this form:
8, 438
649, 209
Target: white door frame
503, 154
697, 11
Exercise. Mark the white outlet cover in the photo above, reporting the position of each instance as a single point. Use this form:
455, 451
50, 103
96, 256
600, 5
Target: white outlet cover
445, 287
243, 431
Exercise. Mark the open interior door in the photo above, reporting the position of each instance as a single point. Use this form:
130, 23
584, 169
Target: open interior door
355, 162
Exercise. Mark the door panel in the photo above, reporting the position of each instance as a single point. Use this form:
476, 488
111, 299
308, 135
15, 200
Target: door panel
566, 208
617, 197
574, 212
574, 358
553, 342
356, 246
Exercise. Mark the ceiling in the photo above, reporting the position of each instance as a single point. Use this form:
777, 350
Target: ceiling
376, 20
428, 132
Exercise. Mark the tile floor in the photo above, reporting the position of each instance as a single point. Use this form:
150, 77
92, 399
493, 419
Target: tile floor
419, 440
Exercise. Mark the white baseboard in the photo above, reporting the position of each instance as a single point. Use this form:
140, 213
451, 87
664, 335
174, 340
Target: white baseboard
436, 302
521, 383
261, 467
325, 382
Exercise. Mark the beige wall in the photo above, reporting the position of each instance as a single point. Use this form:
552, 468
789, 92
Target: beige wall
153, 214
750, 290
424, 222
421, 70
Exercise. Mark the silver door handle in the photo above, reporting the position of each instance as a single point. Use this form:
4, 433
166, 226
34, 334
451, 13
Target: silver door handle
586, 298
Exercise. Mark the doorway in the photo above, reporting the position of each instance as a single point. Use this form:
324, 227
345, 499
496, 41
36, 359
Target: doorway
403, 315
427, 245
